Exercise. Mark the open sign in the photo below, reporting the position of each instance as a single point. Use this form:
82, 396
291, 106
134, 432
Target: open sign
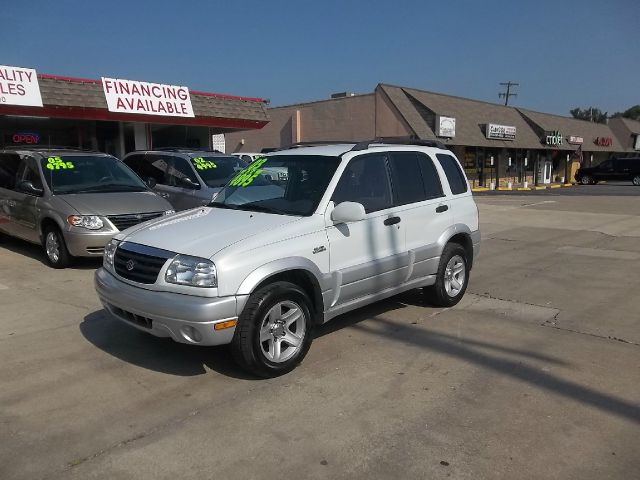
26, 137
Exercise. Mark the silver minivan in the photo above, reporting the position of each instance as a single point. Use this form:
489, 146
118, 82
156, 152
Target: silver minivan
187, 178
70, 201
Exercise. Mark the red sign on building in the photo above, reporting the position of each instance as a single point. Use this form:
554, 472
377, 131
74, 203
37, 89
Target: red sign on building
604, 141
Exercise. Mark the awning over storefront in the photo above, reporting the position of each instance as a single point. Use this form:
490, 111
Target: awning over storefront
84, 99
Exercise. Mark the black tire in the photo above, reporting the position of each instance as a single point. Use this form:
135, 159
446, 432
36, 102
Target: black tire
586, 180
63, 259
437, 294
246, 347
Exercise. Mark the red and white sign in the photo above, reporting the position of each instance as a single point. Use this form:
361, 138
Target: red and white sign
19, 86
604, 141
130, 96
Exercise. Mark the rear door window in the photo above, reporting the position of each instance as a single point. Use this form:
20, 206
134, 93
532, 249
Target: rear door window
430, 177
406, 178
456, 178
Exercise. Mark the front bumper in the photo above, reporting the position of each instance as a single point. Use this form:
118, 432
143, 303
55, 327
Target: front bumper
184, 318
88, 243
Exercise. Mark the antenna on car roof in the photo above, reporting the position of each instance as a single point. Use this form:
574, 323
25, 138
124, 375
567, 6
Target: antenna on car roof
397, 141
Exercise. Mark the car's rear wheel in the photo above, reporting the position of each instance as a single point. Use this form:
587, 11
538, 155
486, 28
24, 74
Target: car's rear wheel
636, 180
55, 248
274, 331
452, 277
586, 180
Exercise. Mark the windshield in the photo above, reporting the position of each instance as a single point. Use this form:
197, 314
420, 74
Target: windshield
284, 184
217, 171
89, 174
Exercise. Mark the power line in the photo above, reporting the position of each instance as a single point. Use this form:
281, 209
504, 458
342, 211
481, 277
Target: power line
508, 93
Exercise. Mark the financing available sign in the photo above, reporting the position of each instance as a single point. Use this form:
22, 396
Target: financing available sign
500, 132
131, 96
19, 86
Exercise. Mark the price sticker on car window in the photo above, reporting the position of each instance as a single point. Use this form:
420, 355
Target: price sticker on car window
202, 164
249, 174
57, 163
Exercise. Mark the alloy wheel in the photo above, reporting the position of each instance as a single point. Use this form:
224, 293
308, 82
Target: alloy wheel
52, 246
454, 276
282, 331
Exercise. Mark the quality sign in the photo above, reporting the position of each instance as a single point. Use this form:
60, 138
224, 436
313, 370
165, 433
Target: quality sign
19, 86
130, 96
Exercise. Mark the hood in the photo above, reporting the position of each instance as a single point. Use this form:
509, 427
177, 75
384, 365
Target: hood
116, 203
203, 231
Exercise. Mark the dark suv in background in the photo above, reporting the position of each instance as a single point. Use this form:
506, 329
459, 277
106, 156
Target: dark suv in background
621, 169
186, 178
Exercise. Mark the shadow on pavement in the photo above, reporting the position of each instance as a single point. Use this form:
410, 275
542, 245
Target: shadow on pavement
158, 354
31, 250
463, 349
166, 356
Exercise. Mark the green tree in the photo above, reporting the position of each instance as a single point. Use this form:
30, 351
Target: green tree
633, 113
590, 114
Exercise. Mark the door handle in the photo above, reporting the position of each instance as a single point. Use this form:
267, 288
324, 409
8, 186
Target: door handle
442, 208
164, 195
391, 221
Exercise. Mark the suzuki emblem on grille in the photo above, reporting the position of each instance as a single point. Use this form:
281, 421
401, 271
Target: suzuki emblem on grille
130, 265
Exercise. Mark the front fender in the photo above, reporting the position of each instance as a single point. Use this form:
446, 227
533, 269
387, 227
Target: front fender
278, 266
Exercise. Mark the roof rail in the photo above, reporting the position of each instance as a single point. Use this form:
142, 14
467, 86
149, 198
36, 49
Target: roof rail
319, 143
181, 149
398, 141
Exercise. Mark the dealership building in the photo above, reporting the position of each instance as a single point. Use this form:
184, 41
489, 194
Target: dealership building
117, 116
496, 143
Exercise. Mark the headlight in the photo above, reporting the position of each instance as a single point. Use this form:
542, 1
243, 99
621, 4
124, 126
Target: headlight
91, 222
194, 271
169, 212
109, 252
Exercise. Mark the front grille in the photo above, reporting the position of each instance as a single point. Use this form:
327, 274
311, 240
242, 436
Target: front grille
139, 263
122, 222
132, 317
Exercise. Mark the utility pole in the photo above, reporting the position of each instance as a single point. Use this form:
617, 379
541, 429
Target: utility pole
508, 93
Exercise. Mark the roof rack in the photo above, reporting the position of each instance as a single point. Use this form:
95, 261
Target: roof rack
397, 141
181, 149
311, 144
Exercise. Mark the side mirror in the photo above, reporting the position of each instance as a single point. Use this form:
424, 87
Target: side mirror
151, 182
187, 182
30, 188
348, 212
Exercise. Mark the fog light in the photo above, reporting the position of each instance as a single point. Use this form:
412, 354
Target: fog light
191, 334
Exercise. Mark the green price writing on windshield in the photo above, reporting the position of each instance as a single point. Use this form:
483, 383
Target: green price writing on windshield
57, 163
202, 164
249, 174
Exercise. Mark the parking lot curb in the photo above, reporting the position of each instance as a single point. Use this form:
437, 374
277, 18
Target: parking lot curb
480, 189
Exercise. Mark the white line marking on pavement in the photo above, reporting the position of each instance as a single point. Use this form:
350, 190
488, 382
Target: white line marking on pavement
537, 203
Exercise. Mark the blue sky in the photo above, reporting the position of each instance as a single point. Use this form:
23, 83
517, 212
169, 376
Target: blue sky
563, 53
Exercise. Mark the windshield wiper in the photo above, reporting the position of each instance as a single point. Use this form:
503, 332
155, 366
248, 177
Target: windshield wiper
111, 187
262, 208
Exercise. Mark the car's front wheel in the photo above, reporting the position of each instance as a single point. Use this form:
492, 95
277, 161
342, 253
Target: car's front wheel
636, 180
452, 277
55, 248
586, 180
274, 331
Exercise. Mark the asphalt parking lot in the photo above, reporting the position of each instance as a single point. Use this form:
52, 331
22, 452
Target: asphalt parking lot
534, 375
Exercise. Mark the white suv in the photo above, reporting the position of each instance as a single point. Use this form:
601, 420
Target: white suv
267, 260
